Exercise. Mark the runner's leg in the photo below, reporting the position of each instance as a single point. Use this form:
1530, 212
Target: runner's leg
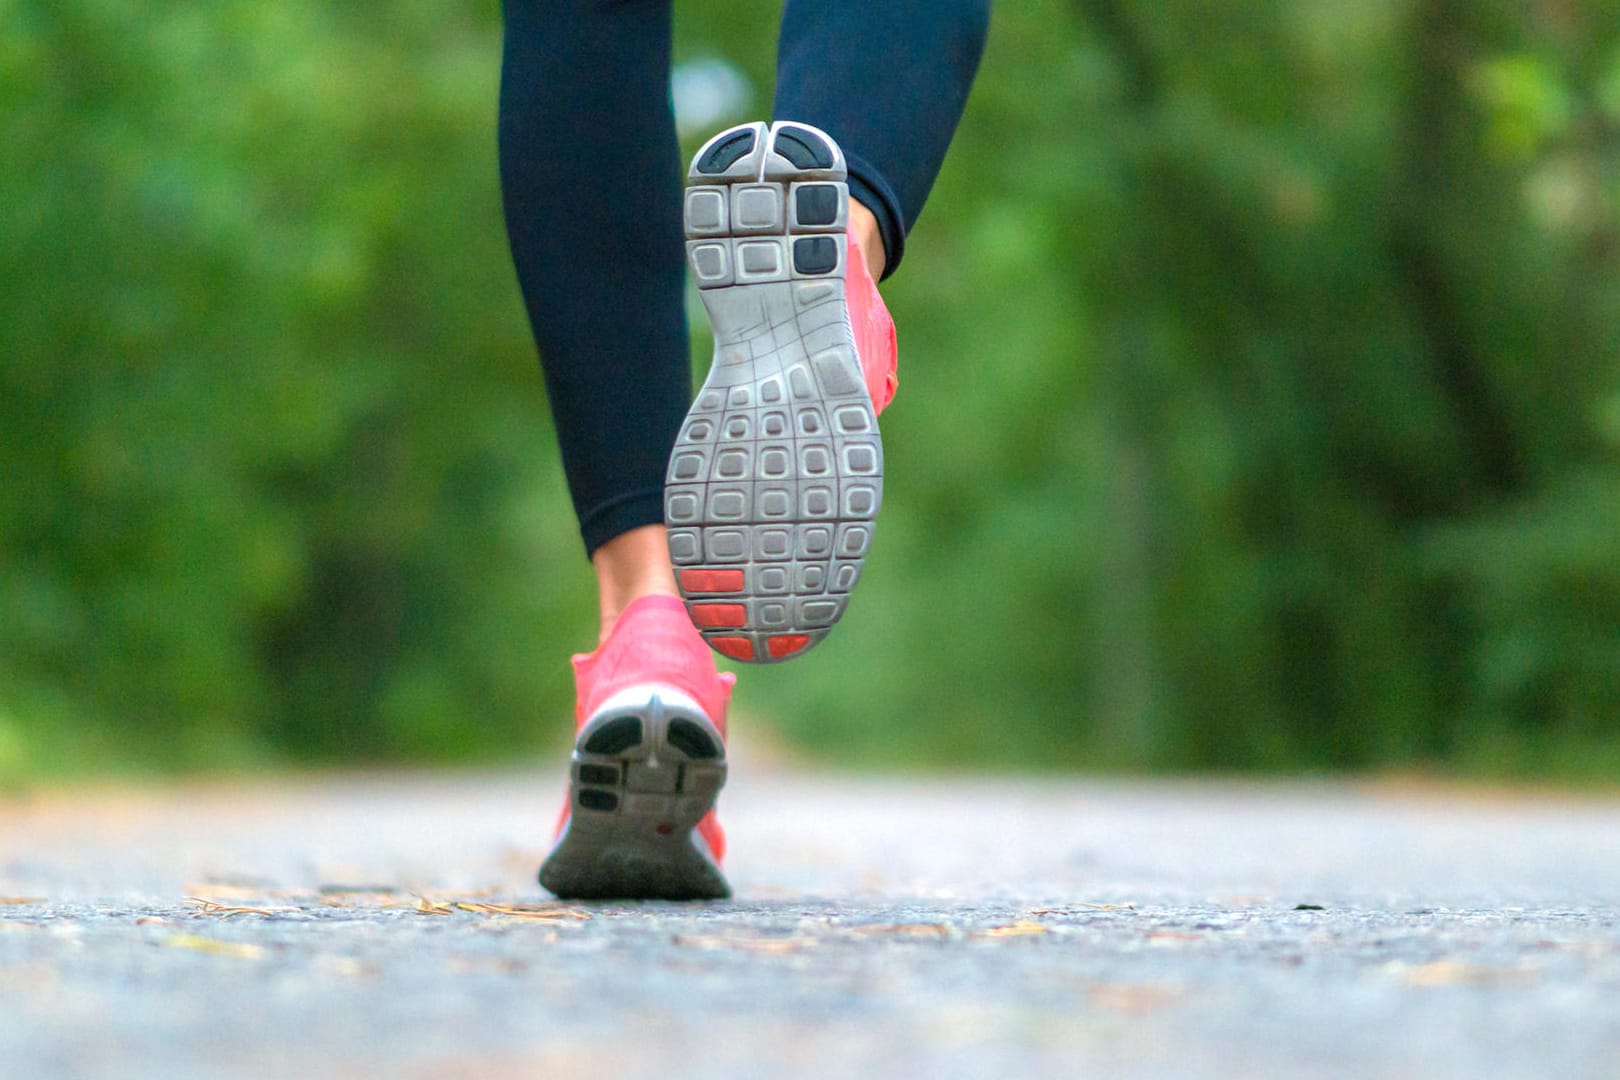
888, 80
591, 181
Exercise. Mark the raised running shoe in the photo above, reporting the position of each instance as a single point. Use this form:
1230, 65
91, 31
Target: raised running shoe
649, 761
777, 474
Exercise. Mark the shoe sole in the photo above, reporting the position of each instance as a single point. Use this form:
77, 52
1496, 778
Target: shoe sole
777, 474
646, 769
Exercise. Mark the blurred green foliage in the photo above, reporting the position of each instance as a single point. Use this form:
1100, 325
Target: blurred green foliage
1260, 406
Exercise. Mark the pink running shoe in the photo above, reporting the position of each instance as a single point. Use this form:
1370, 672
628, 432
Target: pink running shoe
649, 761
777, 474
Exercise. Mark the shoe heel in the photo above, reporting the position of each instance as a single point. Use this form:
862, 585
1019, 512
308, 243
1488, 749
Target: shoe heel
646, 769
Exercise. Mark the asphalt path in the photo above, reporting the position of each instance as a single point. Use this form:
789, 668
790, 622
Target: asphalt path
910, 927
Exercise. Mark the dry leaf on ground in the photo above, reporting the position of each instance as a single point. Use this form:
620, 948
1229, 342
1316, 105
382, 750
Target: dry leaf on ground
209, 907
213, 945
431, 907
1020, 928
544, 912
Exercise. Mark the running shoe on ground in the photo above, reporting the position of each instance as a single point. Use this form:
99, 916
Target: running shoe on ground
649, 761
777, 474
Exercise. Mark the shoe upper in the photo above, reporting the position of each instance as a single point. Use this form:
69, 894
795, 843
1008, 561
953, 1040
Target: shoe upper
653, 641
875, 342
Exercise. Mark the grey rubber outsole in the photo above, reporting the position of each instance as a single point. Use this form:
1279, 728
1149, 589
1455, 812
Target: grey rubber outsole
777, 474
646, 769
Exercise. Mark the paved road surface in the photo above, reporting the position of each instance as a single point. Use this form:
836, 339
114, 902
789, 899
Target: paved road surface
883, 927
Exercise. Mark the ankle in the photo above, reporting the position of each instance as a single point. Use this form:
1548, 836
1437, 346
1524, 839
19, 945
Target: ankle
632, 565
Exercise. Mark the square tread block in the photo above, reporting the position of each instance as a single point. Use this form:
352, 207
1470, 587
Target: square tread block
706, 211
761, 260
730, 503
812, 421
854, 419
688, 465
773, 544
773, 614
725, 545
773, 423
683, 505
859, 499
862, 457
698, 430
818, 501
816, 459
772, 580
775, 462
733, 463
711, 262
809, 578
815, 542
819, 256
773, 501
685, 546
819, 206
756, 208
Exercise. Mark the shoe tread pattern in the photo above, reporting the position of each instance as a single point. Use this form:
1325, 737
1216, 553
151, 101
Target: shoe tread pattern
777, 474
642, 777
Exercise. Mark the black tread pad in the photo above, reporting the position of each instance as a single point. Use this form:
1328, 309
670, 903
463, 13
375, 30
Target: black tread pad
817, 204
724, 154
815, 254
615, 736
691, 740
598, 800
598, 774
804, 148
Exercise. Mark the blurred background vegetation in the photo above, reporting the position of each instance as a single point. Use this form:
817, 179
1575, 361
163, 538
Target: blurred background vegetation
1260, 410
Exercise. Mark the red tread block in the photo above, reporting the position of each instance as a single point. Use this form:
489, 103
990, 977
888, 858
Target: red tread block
721, 581
738, 648
715, 616
786, 644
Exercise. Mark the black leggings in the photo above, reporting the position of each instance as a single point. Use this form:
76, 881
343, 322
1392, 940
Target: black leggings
591, 178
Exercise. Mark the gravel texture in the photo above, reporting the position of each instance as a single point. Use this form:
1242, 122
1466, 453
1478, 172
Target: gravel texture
939, 927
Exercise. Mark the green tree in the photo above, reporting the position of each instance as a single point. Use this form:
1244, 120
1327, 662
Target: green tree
1260, 402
